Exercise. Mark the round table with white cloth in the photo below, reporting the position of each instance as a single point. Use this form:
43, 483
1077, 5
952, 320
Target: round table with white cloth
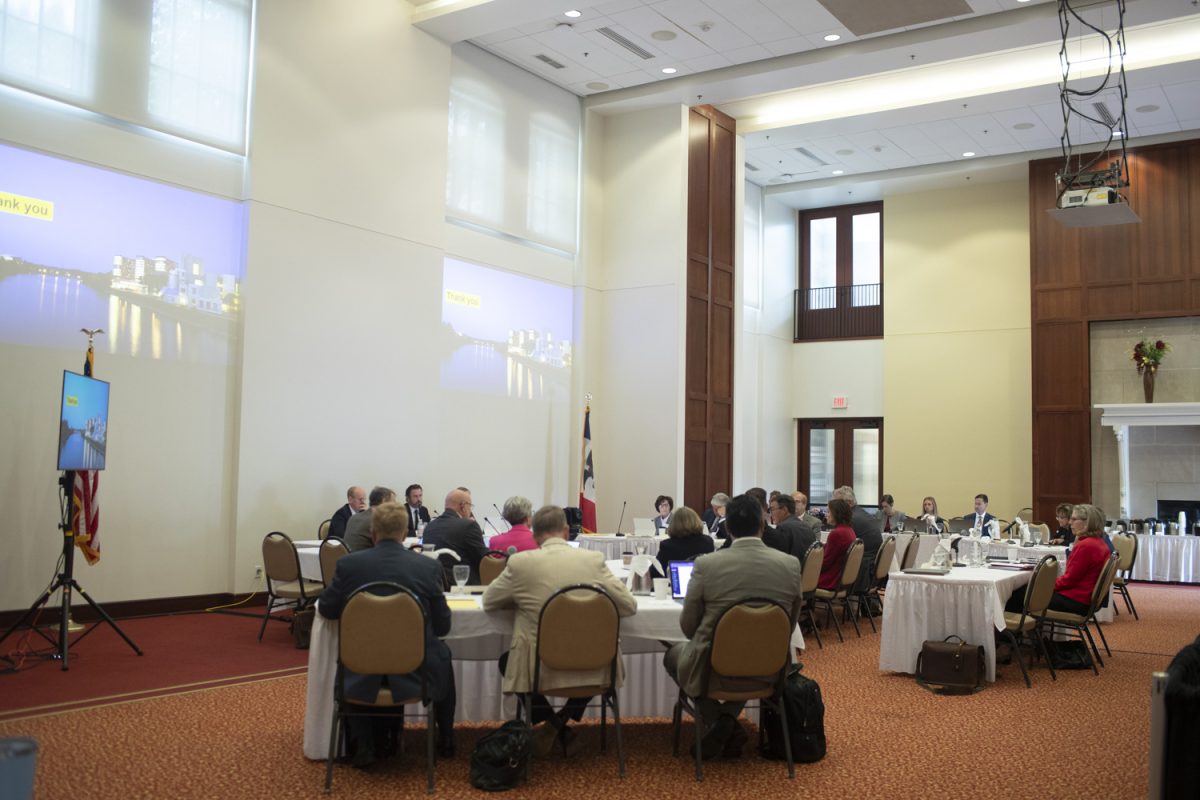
1167, 558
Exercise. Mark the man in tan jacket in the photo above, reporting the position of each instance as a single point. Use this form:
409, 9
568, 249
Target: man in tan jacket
526, 584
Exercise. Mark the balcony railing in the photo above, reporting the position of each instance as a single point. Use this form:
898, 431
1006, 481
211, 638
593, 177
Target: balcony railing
839, 312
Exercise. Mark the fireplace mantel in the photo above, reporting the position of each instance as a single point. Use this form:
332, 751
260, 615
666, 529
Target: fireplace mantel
1121, 416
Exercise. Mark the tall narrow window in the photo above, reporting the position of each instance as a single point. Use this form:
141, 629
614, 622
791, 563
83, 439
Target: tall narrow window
841, 274
550, 207
475, 180
47, 45
199, 50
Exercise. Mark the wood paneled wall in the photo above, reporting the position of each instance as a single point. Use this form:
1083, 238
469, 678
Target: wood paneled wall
1121, 272
708, 415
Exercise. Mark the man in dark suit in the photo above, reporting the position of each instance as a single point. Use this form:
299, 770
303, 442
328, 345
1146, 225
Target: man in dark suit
356, 501
745, 569
456, 530
358, 529
798, 535
867, 528
417, 512
980, 518
388, 560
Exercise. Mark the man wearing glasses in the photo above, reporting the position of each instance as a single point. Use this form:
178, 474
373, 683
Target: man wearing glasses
457, 530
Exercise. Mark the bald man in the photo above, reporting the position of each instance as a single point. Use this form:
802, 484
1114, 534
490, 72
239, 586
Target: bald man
356, 501
456, 530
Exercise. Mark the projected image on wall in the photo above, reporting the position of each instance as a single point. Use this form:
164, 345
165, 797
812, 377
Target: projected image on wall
158, 267
510, 335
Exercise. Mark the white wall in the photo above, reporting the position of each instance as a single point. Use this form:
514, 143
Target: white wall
852, 368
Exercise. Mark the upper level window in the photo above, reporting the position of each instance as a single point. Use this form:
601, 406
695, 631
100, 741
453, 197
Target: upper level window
199, 54
841, 278
475, 175
47, 45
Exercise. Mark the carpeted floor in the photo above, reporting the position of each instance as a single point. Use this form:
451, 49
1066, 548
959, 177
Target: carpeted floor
1080, 737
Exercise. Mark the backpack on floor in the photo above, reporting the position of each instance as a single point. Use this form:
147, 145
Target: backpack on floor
501, 758
805, 718
1069, 654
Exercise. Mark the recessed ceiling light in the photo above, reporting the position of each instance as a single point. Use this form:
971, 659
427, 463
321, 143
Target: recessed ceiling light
663, 36
599, 86
1022, 1
968, 154
838, 171
669, 70
1022, 126
573, 14
832, 37
1146, 109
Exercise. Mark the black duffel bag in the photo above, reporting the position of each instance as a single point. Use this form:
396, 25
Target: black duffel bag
501, 758
805, 719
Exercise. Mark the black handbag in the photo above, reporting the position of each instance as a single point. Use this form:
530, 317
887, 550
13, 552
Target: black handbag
501, 758
951, 667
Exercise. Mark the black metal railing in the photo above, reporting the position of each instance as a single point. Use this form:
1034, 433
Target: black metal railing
839, 312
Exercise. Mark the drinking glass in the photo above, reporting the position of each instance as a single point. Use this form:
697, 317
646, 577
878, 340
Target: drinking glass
461, 573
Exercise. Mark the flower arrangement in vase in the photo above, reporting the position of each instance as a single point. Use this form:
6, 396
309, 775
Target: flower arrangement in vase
1148, 355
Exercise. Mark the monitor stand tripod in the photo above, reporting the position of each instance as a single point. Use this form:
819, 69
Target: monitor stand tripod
65, 580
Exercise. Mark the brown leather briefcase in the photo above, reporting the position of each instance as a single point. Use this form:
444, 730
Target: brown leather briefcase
951, 666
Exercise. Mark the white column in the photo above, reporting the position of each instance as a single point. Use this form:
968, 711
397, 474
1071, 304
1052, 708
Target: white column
1122, 434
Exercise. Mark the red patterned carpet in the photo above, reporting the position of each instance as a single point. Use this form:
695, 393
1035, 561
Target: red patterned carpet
1080, 737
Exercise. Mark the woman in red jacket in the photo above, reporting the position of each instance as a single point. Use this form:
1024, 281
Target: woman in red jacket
1073, 590
839, 541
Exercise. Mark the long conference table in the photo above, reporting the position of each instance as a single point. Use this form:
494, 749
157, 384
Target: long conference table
477, 638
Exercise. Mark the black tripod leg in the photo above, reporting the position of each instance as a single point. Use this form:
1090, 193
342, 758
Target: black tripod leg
33, 609
104, 615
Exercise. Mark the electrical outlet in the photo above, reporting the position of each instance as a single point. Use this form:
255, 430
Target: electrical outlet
258, 573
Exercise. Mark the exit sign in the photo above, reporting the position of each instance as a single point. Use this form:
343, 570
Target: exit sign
841, 401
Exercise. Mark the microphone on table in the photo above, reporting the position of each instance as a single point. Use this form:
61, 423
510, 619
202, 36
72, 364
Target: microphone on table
1011, 525
489, 522
622, 519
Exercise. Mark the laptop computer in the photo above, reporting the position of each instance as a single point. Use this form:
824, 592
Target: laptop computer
643, 526
681, 574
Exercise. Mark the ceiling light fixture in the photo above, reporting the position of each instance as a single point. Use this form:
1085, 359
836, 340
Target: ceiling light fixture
1146, 109
573, 14
663, 36
669, 70
832, 37
969, 154
838, 171
1022, 126
599, 86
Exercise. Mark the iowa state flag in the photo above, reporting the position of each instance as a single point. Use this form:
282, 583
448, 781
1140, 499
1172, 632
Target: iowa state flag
587, 482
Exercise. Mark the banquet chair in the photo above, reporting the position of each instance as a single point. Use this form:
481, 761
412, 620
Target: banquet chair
1040, 531
958, 525
579, 630
490, 567
281, 565
1079, 622
381, 635
1025, 514
748, 660
879, 572
1037, 598
909, 559
323, 529
1126, 545
851, 564
331, 550
810, 573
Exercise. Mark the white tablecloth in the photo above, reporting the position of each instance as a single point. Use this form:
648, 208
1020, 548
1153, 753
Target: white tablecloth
968, 602
614, 546
477, 639
1167, 558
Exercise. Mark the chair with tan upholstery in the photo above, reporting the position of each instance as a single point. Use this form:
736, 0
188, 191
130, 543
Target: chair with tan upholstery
851, 564
579, 630
1127, 551
490, 567
748, 660
323, 529
810, 573
1037, 598
1040, 532
879, 572
1025, 514
909, 559
1079, 622
331, 550
285, 586
381, 635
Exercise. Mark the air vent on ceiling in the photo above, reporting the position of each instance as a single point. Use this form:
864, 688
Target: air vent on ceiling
804, 151
1103, 113
750, 167
545, 59
640, 52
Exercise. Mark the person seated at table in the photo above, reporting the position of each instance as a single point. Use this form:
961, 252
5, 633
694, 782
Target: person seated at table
517, 512
802, 511
685, 539
867, 528
358, 528
389, 560
526, 584
746, 569
796, 536
356, 501
839, 541
892, 519
980, 518
1073, 589
714, 517
929, 515
1062, 515
456, 529
664, 505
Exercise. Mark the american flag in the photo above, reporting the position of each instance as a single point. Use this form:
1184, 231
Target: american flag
587, 481
85, 516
